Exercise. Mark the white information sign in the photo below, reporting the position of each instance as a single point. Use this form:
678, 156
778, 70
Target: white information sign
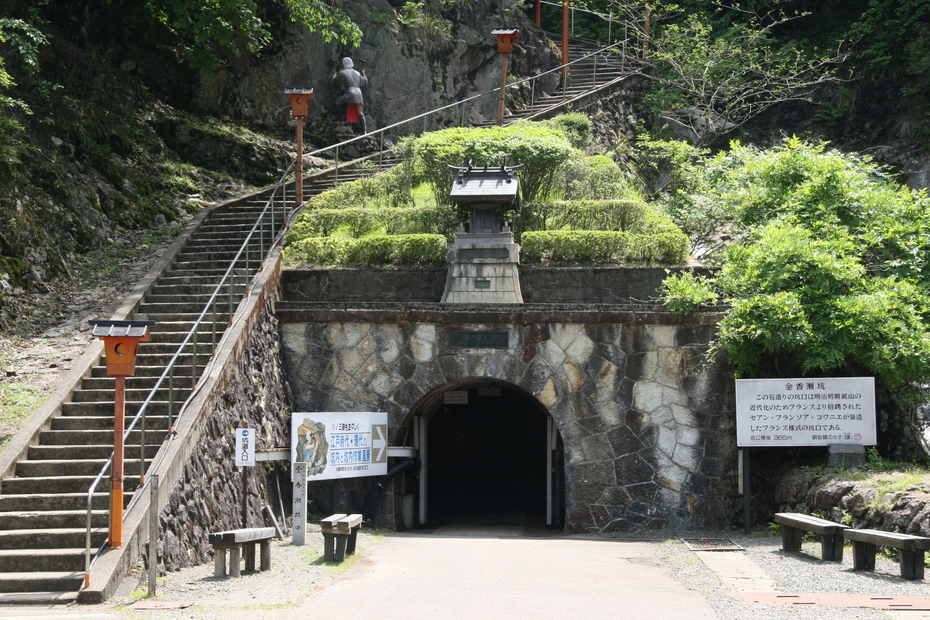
340, 445
805, 412
245, 447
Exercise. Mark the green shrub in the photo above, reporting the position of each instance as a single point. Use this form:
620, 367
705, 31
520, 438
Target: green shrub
376, 250
685, 292
541, 149
575, 126
626, 215
597, 177
358, 221
318, 250
609, 247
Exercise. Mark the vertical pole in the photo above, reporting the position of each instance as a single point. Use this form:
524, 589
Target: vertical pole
153, 535
537, 13
299, 166
500, 100
299, 509
116, 494
564, 41
245, 496
744, 474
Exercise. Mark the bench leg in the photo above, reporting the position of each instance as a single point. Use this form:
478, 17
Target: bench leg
219, 562
912, 564
863, 555
249, 556
350, 544
329, 546
235, 555
791, 538
266, 555
341, 540
832, 547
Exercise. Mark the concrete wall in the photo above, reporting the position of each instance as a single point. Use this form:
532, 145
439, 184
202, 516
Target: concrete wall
590, 285
647, 424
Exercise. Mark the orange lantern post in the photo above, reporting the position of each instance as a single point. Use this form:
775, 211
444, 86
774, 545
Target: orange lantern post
121, 344
505, 39
300, 98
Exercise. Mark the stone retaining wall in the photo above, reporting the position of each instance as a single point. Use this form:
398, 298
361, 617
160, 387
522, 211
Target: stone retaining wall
247, 389
647, 425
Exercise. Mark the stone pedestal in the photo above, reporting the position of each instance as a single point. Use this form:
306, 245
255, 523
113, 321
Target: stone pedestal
483, 273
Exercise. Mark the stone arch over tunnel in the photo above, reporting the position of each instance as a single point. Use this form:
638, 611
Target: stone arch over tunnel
491, 453
648, 438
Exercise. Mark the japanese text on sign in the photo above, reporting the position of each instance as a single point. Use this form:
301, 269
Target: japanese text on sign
805, 412
340, 445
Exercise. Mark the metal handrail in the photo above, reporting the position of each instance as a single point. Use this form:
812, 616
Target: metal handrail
620, 45
210, 306
229, 279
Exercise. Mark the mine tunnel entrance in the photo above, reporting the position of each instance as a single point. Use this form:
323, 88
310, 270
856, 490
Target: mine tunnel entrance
493, 456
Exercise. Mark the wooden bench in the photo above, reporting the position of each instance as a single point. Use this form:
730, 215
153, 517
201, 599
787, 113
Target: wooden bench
339, 533
233, 542
910, 548
794, 525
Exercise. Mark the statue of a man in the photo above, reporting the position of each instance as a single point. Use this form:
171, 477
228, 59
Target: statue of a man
351, 82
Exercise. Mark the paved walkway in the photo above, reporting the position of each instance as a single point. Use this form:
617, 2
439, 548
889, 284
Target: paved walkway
445, 577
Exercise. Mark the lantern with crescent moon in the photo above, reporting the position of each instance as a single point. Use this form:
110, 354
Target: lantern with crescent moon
121, 345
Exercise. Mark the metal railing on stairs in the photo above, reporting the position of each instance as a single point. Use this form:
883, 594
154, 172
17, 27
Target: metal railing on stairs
276, 226
265, 233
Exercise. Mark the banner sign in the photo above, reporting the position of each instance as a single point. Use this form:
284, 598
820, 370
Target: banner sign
340, 445
245, 447
805, 412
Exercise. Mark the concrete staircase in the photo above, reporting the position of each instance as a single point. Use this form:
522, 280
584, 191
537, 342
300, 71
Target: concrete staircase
43, 504
586, 77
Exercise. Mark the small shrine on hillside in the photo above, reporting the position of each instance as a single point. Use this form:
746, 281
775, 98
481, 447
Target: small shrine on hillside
484, 258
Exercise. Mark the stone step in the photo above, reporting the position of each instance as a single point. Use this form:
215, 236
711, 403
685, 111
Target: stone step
96, 437
62, 484
99, 372
41, 581
52, 520
77, 437
69, 538
92, 422
102, 451
184, 359
38, 598
43, 560
179, 307
56, 501
83, 467
136, 395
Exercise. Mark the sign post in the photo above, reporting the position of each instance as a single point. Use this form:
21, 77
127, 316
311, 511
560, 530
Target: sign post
245, 457
802, 412
330, 446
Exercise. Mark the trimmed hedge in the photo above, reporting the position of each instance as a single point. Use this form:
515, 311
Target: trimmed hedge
377, 250
361, 221
618, 215
585, 247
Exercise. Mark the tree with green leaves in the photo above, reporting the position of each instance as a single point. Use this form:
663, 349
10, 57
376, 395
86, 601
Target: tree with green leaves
209, 29
708, 81
830, 273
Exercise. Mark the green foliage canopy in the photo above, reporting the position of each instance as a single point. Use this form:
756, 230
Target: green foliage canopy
211, 28
832, 273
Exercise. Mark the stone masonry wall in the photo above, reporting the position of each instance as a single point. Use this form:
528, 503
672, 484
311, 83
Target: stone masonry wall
254, 394
647, 425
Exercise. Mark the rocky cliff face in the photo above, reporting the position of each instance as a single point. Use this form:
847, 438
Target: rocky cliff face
411, 68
